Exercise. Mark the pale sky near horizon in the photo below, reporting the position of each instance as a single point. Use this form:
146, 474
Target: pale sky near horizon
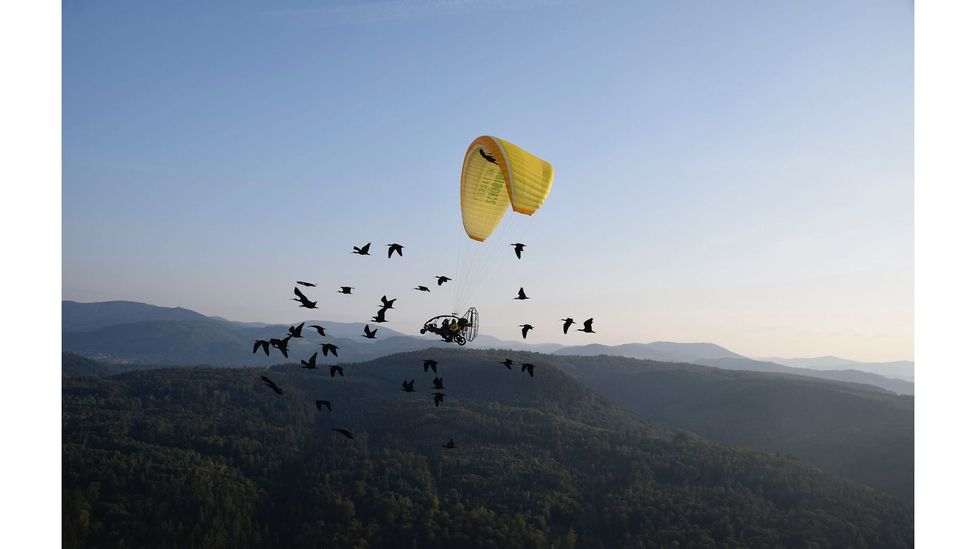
733, 172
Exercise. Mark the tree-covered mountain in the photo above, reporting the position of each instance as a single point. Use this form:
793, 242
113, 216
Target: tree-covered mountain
857, 431
84, 317
659, 350
899, 369
199, 457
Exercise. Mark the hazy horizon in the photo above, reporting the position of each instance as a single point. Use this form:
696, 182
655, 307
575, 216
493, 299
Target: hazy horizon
734, 174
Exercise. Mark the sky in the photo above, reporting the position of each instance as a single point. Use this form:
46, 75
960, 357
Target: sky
739, 173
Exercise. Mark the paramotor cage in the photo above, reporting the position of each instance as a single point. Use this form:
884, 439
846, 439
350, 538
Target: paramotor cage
467, 327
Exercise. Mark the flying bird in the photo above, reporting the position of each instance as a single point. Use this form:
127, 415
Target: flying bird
567, 322
438, 399
518, 249
303, 283
438, 383
407, 387
281, 345
329, 348
369, 334
272, 385
310, 363
304, 301
587, 327
320, 403
262, 344
296, 331
525, 329
521, 295
380, 316
450, 445
529, 367
361, 251
432, 364
441, 279
344, 433
319, 329
507, 363
387, 303
422, 288
398, 248
345, 289
333, 370
487, 156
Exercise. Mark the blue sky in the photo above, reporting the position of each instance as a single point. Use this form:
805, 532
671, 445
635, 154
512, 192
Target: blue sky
734, 172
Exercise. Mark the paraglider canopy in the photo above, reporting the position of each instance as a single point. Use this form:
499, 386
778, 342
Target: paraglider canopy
495, 175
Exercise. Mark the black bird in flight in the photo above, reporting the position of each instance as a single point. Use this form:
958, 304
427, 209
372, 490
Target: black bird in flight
345, 289
320, 403
333, 370
508, 363
407, 387
344, 433
422, 288
525, 329
438, 383
441, 279
529, 367
438, 399
304, 301
567, 322
361, 251
380, 316
521, 295
587, 327
369, 334
303, 283
518, 249
281, 345
272, 384
319, 329
310, 364
450, 445
398, 248
432, 364
296, 331
261, 344
329, 348
387, 303
487, 156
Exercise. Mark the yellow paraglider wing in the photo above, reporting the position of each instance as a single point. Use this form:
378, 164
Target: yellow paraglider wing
497, 174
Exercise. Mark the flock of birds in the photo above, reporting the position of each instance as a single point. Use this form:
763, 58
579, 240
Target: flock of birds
281, 344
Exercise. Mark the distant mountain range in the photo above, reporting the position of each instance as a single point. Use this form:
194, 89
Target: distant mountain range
126, 332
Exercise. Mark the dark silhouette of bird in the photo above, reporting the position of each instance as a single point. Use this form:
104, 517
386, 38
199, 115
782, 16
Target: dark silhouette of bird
521, 295
407, 387
422, 288
296, 331
345, 289
310, 363
529, 367
361, 251
380, 316
303, 283
344, 433
438, 399
487, 156
261, 344
319, 329
450, 445
518, 249
441, 279
432, 364
387, 303
587, 327
398, 248
438, 383
304, 301
333, 370
525, 329
329, 348
567, 322
369, 334
320, 403
272, 385
507, 363
281, 345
